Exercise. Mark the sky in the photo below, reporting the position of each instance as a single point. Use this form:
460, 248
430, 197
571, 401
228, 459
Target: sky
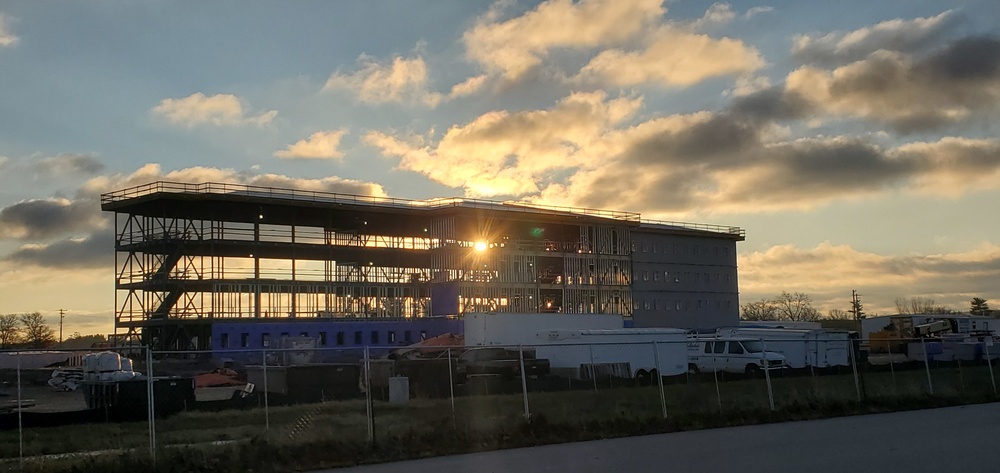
855, 141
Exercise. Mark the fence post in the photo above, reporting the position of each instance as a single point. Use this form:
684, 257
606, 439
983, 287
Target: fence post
20, 426
267, 413
767, 373
451, 384
854, 369
986, 344
718, 394
927, 367
150, 403
892, 365
524, 382
593, 369
369, 407
659, 380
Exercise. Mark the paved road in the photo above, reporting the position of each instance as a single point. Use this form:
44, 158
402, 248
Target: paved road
955, 439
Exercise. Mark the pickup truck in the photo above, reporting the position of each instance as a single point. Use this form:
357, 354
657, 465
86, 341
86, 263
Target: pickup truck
505, 362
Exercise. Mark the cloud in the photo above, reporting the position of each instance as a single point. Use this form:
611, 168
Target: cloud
68, 163
7, 38
319, 145
94, 251
754, 11
404, 80
510, 153
218, 110
673, 57
468, 86
904, 36
954, 84
717, 14
46, 218
153, 172
829, 272
514, 46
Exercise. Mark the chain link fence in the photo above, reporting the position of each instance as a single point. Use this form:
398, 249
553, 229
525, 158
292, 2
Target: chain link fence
64, 405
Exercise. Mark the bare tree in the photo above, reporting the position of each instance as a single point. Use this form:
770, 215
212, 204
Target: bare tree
838, 314
36, 332
763, 309
921, 305
10, 330
796, 307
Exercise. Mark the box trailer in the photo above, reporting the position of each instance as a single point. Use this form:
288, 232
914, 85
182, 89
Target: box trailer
801, 348
485, 329
627, 353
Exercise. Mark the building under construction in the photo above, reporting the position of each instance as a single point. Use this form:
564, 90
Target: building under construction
200, 265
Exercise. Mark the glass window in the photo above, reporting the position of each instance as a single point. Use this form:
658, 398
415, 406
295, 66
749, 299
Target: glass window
753, 346
374, 337
265, 340
340, 338
720, 347
224, 340
407, 336
244, 340
735, 348
392, 337
708, 347
357, 338
322, 339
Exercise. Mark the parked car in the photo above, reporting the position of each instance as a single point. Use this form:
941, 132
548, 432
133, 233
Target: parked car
505, 362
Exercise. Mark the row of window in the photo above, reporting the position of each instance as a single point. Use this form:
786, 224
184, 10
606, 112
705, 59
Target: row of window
685, 304
688, 276
677, 248
340, 338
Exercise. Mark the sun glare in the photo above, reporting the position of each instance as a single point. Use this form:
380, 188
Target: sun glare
480, 246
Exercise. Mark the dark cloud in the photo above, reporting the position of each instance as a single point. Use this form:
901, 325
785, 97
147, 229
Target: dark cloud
955, 84
772, 104
971, 59
68, 163
904, 36
94, 251
45, 218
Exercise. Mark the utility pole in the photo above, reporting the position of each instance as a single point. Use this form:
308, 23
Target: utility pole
62, 313
856, 348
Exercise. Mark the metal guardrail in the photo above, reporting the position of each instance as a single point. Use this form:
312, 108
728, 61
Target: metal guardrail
322, 196
707, 227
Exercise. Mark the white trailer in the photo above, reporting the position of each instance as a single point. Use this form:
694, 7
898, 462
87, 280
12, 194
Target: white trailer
642, 353
801, 348
485, 329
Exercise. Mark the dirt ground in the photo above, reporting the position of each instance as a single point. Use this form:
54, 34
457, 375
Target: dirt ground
44, 398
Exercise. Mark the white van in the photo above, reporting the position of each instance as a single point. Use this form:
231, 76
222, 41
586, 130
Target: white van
731, 354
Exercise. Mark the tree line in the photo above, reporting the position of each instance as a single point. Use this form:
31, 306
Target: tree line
797, 306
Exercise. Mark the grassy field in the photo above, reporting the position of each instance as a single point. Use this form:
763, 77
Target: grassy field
288, 438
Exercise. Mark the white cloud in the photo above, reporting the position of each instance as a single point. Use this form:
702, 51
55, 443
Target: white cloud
717, 14
404, 80
673, 57
505, 153
754, 11
218, 110
468, 86
153, 172
319, 145
7, 38
512, 47
894, 35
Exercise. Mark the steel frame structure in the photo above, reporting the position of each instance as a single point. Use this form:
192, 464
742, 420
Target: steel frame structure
191, 254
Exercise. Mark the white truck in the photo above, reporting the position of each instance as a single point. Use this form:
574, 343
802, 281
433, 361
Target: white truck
730, 354
818, 348
640, 353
